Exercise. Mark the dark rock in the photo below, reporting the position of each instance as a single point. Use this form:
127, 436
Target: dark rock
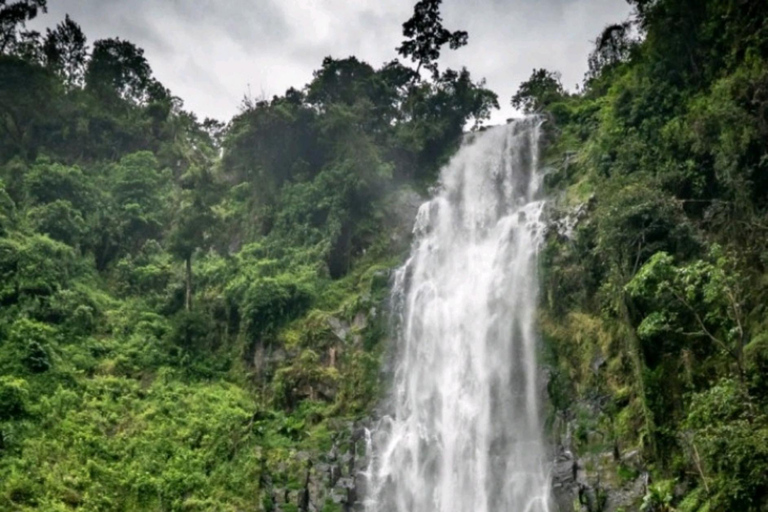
564, 484
339, 327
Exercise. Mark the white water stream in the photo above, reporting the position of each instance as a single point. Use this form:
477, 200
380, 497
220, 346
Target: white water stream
464, 434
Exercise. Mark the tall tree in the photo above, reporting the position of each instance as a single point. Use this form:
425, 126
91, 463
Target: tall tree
14, 15
193, 227
613, 46
118, 69
139, 190
27, 102
340, 81
541, 89
66, 52
426, 36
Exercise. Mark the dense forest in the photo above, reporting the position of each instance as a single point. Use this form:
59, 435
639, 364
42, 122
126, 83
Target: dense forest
654, 306
193, 313
190, 307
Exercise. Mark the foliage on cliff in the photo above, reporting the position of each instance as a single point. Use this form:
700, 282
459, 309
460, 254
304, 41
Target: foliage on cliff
654, 305
190, 311
187, 307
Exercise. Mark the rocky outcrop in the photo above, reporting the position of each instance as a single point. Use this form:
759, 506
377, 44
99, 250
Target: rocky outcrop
578, 485
596, 481
332, 481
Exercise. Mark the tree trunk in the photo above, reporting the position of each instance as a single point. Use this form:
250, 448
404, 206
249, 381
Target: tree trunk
188, 297
638, 365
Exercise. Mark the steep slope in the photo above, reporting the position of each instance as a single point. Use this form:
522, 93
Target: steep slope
654, 278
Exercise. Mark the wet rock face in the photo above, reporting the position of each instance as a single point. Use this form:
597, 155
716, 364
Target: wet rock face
591, 482
267, 358
330, 481
594, 469
564, 483
349, 332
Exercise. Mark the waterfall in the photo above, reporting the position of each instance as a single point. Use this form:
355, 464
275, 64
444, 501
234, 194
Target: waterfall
464, 431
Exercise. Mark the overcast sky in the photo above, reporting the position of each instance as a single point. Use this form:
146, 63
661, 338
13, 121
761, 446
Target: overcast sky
210, 52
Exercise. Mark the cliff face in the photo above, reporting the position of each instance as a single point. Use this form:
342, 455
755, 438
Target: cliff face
653, 276
596, 466
193, 315
324, 470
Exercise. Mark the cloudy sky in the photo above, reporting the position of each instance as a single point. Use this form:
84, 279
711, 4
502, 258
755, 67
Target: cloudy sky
211, 52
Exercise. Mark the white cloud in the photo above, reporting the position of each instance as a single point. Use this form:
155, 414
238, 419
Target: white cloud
208, 52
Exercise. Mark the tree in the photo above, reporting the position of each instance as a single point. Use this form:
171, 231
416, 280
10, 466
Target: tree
467, 100
727, 430
14, 396
33, 267
269, 144
29, 348
353, 82
13, 15
47, 182
118, 69
426, 36
214, 129
702, 300
59, 220
138, 190
7, 210
66, 52
28, 96
612, 47
339, 81
539, 91
192, 229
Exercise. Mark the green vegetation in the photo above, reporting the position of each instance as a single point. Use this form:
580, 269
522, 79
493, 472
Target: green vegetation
192, 312
654, 308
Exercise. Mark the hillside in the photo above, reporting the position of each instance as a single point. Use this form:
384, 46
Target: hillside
193, 314
653, 311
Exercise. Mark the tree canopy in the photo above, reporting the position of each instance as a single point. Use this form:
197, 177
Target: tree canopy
192, 312
169, 286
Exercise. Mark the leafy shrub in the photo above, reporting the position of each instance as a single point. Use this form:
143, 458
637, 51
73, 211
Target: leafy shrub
659, 497
731, 434
270, 302
191, 330
756, 365
29, 347
14, 396
59, 220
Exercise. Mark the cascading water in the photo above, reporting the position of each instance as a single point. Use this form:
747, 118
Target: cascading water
464, 434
